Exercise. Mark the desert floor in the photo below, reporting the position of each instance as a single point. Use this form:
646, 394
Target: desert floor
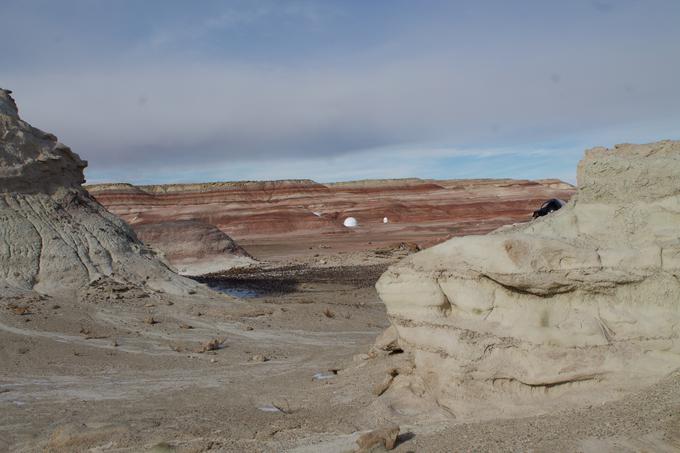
123, 370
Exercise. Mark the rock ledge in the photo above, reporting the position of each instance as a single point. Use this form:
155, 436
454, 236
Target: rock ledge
579, 306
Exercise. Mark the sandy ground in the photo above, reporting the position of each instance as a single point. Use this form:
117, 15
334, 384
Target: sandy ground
115, 370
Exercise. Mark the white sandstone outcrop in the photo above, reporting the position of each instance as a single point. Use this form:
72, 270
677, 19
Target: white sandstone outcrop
572, 308
53, 236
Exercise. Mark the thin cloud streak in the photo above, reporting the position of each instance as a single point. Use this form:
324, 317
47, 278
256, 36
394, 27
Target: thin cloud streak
233, 112
264, 83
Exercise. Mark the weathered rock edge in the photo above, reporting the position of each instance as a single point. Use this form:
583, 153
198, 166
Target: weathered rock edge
573, 308
53, 236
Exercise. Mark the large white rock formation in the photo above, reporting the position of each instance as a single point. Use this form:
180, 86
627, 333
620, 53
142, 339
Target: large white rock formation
576, 307
53, 236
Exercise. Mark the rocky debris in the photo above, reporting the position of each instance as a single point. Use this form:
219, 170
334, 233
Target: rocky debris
20, 310
580, 305
88, 334
194, 247
385, 384
53, 236
387, 342
400, 248
211, 345
105, 290
385, 437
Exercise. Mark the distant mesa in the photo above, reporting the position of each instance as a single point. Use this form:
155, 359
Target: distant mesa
283, 212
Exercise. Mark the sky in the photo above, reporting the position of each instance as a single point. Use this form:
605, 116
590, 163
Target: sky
190, 91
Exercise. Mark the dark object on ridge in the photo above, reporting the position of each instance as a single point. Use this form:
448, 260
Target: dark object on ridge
549, 206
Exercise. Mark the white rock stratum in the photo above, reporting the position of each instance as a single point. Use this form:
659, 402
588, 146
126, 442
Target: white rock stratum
576, 307
54, 237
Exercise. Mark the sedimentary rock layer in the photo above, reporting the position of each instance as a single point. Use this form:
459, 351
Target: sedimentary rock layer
418, 210
53, 236
575, 307
194, 247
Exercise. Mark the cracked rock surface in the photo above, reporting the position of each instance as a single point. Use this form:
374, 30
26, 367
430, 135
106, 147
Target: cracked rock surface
53, 236
577, 307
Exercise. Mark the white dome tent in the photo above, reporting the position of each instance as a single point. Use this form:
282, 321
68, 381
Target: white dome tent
350, 222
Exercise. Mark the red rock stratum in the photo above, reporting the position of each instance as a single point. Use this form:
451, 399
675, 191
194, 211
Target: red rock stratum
305, 212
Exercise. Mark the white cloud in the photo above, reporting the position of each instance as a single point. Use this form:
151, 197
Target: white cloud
227, 111
400, 108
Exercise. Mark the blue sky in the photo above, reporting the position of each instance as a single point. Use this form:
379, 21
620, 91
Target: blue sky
181, 91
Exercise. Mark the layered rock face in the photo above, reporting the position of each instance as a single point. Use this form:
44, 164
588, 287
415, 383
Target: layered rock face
572, 308
194, 247
53, 236
284, 212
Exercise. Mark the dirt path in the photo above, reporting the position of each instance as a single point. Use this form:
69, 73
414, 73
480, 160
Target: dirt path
86, 376
97, 375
